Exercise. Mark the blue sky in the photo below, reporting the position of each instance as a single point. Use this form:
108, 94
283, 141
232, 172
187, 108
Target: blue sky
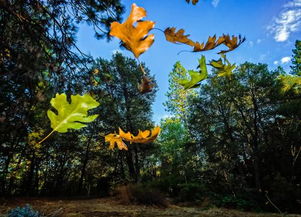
270, 26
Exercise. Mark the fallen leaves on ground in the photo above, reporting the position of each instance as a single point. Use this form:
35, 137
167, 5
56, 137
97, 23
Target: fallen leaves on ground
111, 207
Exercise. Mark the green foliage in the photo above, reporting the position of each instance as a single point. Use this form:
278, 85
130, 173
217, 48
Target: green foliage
72, 115
296, 60
234, 202
293, 82
195, 76
26, 211
192, 191
290, 82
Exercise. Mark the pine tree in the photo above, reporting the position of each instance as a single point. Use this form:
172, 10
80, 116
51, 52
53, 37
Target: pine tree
296, 61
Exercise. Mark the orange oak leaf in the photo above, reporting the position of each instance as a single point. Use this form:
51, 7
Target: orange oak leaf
146, 85
115, 139
134, 38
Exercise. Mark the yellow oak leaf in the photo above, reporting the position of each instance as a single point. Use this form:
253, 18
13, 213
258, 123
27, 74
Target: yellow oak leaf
146, 136
115, 139
134, 38
126, 136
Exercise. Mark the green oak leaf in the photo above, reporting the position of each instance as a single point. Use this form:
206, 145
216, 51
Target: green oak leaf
224, 68
195, 76
72, 115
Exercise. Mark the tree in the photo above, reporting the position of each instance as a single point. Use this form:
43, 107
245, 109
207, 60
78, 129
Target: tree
296, 60
39, 57
124, 106
177, 96
235, 120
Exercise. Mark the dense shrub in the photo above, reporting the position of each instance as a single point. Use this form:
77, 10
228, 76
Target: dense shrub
168, 184
235, 202
191, 192
26, 211
141, 194
284, 194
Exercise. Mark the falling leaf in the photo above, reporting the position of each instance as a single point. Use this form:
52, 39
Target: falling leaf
224, 68
232, 43
179, 37
146, 136
195, 76
134, 38
193, 1
72, 115
126, 136
115, 139
142, 137
211, 43
146, 85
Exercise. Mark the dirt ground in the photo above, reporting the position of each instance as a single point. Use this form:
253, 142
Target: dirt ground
112, 208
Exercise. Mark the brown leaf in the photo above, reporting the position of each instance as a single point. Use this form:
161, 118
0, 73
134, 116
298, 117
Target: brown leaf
146, 85
193, 1
135, 38
210, 44
232, 43
178, 37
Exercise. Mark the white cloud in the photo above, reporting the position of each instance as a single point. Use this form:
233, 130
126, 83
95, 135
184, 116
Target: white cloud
287, 22
276, 62
258, 41
215, 3
285, 60
251, 43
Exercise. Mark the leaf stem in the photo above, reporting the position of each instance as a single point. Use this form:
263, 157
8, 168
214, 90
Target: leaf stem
158, 29
46, 137
141, 67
